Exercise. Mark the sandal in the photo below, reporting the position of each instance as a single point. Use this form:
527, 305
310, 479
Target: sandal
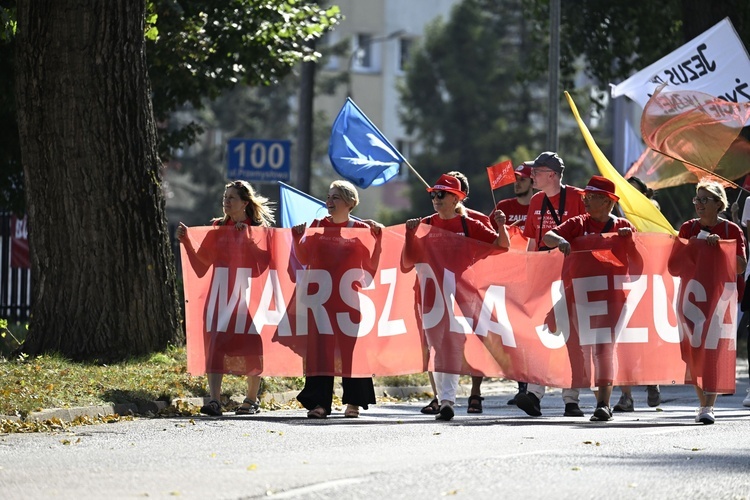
475, 404
317, 412
213, 408
351, 411
247, 407
431, 409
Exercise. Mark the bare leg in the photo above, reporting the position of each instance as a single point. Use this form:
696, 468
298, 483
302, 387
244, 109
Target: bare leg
625, 389
253, 385
476, 386
214, 385
604, 394
432, 383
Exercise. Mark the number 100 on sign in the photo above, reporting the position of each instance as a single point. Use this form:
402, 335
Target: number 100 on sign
258, 160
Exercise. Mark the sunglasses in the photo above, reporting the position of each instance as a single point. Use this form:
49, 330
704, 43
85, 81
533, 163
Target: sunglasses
438, 194
702, 200
592, 197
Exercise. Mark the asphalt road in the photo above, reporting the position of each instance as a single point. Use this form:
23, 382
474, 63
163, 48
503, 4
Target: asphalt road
393, 451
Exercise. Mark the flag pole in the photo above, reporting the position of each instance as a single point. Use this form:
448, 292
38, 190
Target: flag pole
494, 203
416, 173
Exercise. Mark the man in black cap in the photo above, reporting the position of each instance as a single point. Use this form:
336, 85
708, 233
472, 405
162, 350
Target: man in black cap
550, 207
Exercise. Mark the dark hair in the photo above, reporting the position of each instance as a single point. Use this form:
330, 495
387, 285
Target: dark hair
641, 186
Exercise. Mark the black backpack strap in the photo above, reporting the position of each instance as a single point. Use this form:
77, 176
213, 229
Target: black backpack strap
547, 207
465, 225
608, 225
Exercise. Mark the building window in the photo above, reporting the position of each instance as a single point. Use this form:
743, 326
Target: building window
405, 46
362, 52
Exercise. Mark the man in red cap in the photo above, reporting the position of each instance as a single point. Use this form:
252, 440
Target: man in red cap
554, 204
599, 199
513, 211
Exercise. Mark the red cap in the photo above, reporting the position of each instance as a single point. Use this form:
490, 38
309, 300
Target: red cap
523, 170
450, 184
599, 184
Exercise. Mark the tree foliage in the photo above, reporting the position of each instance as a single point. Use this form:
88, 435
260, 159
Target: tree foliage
614, 39
467, 97
196, 49
203, 48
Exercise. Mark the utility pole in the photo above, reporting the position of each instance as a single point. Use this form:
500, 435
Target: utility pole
305, 123
554, 75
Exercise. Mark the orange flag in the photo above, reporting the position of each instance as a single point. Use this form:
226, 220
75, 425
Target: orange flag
691, 136
501, 174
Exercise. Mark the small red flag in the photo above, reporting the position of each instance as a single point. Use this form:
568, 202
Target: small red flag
501, 174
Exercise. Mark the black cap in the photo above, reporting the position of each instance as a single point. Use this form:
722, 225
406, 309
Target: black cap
547, 159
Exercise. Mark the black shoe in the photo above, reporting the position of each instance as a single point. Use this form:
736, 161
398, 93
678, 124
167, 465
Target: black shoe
213, 408
446, 412
602, 414
513, 400
573, 410
529, 403
654, 396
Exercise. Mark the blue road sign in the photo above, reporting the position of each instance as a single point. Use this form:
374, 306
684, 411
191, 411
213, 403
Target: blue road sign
258, 160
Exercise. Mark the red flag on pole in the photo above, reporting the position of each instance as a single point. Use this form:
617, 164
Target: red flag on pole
501, 174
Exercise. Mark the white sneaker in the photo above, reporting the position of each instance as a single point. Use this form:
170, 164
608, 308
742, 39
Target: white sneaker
746, 401
705, 415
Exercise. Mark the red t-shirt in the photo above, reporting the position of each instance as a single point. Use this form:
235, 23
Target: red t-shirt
725, 229
479, 216
513, 211
582, 225
573, 207
327, 222
476, 229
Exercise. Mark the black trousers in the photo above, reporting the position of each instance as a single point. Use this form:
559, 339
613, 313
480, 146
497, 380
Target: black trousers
318, 391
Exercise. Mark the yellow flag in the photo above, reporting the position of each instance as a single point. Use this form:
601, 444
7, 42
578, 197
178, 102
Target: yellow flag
637, 208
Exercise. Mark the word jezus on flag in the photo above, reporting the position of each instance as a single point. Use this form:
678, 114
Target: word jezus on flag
501, 174
641, 305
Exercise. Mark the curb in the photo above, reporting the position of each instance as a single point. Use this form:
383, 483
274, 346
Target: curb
153, 407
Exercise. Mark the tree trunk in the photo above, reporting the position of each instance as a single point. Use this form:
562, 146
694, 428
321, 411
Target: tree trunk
103, 278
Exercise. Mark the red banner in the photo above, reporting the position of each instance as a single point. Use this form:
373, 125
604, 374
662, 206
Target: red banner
403, 303
19, 243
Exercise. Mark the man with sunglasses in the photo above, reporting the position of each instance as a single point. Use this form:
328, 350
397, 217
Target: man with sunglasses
599, 199
551, 206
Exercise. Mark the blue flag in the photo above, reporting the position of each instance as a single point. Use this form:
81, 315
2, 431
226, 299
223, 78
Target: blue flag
359, 152
298, 207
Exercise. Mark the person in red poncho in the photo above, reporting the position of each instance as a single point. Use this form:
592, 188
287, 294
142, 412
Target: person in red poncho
599, 198
709, 201
445, 195
227, 353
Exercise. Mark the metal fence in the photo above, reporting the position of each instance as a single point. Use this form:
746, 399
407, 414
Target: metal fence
15, 283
